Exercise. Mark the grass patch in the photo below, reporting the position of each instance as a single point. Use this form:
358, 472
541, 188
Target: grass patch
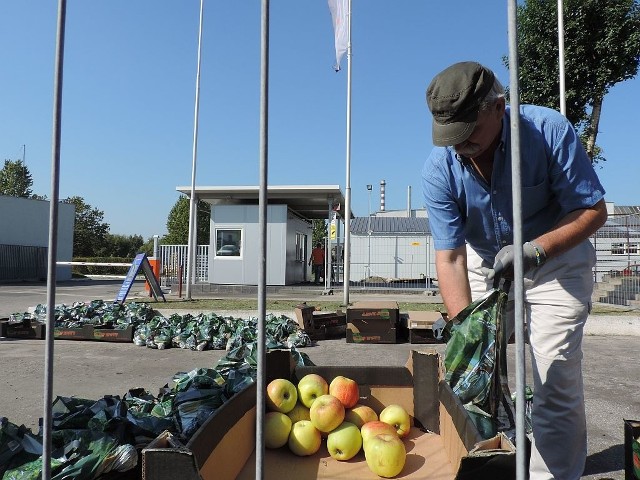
213, 304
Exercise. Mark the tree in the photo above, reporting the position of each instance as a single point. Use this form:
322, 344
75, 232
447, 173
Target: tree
15, 179
319, 231
602, 48
90, 231
178, 223
124, 246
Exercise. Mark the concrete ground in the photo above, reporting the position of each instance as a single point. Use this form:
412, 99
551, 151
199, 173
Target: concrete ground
93, 369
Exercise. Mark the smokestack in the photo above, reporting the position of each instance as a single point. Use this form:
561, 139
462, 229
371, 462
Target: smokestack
382, 185
409, 201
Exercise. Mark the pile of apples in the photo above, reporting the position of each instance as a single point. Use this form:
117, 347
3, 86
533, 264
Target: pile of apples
301, 416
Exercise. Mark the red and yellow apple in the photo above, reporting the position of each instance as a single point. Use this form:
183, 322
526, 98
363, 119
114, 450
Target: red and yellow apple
346, 390
282, 395
304, 438
344, 442
277, 427
360, 414
326, 412
299, 412
385, 455
310, 387
371, 429
397, 416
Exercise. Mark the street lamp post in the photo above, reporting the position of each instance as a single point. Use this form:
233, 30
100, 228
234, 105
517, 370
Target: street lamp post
369, 189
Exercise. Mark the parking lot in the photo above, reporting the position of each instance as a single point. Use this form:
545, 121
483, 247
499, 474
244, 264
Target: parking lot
93, 369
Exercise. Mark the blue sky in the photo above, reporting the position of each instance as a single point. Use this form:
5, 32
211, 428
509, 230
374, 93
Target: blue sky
129, 88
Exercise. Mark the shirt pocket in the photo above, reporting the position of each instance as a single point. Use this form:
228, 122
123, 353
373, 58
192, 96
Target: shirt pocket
535, 198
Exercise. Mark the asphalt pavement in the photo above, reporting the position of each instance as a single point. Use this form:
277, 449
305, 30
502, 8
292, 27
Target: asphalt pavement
93, 369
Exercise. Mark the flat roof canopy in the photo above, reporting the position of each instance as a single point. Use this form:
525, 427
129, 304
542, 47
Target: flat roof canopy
309, 201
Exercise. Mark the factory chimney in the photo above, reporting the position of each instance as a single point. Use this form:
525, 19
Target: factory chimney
382, 187
409, 201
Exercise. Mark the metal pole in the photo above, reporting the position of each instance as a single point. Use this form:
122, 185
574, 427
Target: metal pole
347, 209
516, 191
563, 102
53, 243
193, 202
369, 188
262, 219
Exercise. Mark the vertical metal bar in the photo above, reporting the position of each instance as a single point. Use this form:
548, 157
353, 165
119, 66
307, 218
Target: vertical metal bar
53, 242
563, 102
518, 283
262, 220
193, 202
347, 189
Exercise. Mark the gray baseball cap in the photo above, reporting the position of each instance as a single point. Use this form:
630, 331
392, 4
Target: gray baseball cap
454, 97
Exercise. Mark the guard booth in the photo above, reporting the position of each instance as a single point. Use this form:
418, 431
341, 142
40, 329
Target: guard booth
234, 247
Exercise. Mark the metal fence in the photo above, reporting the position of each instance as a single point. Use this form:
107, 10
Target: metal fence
173, 262
19, 262
408, 261
387, 262
617, 270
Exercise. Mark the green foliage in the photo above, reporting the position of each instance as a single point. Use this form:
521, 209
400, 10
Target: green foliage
90, 231
319, 231
15, 179
602, 48
178, 223
121, 245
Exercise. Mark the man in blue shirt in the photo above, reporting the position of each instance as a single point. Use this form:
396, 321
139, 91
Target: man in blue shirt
467, 190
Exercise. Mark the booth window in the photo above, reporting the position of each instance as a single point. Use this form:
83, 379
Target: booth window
228, 242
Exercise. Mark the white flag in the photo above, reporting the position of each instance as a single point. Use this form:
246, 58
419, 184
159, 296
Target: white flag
339, 12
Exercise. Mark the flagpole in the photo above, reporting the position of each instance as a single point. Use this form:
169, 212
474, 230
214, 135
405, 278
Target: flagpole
563, 102
192, 239
347, 209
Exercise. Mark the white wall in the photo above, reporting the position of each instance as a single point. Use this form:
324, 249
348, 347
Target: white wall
25, 222
243, 270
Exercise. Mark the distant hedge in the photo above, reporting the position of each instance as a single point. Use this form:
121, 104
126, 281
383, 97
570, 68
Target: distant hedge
101, 270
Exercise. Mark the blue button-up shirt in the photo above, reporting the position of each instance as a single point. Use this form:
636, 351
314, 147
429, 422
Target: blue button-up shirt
556, 177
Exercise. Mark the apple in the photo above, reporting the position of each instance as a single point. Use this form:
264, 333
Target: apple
277, 427
385, 455
310, 387
371, 429
304, 438
344, 442
398, 417
345, 390
299, 412
327, 412
282, 395
360, 414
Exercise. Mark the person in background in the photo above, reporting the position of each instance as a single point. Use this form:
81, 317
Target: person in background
467, 190
317, 262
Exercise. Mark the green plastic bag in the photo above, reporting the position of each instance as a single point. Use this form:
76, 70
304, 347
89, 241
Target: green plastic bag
475, 362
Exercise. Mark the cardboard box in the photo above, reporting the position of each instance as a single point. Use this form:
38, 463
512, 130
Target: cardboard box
444, 443
420, 326
373, 322
631, 458
321, 325
113, 334
81, 333
24, 329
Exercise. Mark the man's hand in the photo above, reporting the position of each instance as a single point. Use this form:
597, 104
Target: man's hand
533, 255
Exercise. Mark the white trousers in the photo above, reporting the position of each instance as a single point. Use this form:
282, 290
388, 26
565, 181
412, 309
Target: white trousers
557, 301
